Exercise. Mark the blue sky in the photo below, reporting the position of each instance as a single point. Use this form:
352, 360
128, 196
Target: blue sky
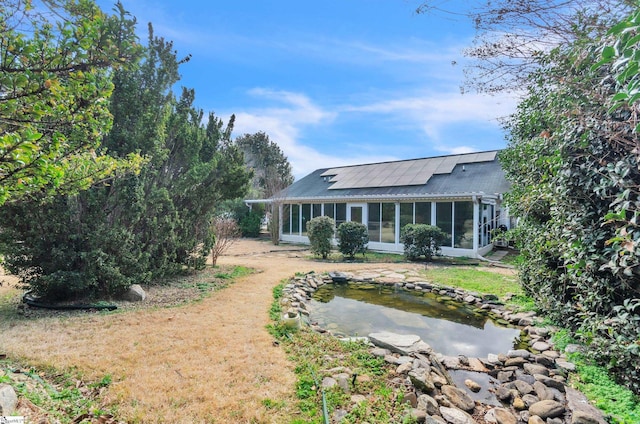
335, 82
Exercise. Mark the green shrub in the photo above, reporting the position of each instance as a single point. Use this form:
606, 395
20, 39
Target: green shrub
352, 238
320, 231
250, 224
422, 240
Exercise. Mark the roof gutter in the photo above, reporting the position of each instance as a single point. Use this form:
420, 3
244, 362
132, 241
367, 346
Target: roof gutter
402, 197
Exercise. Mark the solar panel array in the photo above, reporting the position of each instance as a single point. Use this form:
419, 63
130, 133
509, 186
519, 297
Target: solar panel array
401, 173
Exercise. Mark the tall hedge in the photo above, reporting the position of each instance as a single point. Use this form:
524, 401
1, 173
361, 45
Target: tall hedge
353, 238
320, 231
574, 164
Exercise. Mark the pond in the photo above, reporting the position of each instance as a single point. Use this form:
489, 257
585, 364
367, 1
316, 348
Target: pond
449, 327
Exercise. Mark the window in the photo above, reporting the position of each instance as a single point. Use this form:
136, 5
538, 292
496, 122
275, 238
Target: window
463, 225
286, 219
373, 224
423, 213
306, 217
406, 214
316, 210
443, 219
388, 223
341, 213
330, 210
295, 219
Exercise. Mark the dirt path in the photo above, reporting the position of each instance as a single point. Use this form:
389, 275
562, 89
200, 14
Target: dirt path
211, 361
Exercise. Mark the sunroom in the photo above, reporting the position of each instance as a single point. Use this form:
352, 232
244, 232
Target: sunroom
461, 194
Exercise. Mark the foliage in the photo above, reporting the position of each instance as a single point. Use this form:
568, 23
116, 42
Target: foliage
320, 231
352, 238
226, 232
250, 224
271, 175
422, 240
58, 59
138, 228
573, 162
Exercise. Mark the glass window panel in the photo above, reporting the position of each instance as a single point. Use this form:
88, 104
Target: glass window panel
463, 225
423, 213
317, 210
373, 226
406, 214
388, 227
295, 219
341, 213
443, 219
286, 219
306, 217
330, 210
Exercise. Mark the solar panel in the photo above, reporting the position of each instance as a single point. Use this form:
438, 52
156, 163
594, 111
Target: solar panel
401, 173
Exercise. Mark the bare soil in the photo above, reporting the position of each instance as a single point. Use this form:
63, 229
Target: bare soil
211, 361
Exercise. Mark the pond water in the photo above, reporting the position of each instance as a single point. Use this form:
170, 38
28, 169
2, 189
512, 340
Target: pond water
449, 327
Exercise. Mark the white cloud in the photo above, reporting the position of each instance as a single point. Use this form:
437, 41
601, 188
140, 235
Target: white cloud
284, 124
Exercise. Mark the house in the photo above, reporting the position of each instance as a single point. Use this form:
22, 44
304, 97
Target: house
461, 194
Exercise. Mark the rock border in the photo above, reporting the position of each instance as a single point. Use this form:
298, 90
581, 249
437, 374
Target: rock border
529, 385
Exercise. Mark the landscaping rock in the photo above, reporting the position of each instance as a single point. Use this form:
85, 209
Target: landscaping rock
135, 293
422, 380
534, 419
547, 409
472, 385
581, 410
503, 416
456, 416
8, 400
404, 344
459, 398
428, 404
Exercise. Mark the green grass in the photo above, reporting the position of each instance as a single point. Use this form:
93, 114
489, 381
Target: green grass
63, 395
616, 401
474, 280
313, 354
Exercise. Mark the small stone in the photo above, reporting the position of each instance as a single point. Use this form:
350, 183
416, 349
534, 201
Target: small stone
411, 399
519, 353
503, 416
417, 415
459, 398
493, 358
422, 380
518, 403
534, 419
550, 382
517, 362
358, 398
380, 352
404, 368
504, 376
523, 387
530, 400
565, 365
580, 417
472, 385
428, 404
503, 393
364, 378
573, 348
541, 346
547, 409
542, 391
456, 416
545, 360
328, 382
534, 369
338, 415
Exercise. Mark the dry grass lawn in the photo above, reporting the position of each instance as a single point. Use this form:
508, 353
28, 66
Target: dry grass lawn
211, 361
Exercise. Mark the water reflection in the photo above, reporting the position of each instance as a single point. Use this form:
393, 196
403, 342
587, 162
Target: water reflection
450, 327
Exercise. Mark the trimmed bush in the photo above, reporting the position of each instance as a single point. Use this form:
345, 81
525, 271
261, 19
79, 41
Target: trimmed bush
422, 240
250, 224
352, 238
320, 231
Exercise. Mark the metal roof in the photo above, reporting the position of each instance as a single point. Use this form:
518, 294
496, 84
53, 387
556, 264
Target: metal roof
446, 177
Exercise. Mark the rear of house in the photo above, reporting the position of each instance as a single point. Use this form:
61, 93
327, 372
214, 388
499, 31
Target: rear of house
461, 194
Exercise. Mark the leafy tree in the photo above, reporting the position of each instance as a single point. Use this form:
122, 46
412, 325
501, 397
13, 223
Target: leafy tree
573, 162
271, 174
141, 227
320, 231
352, 238
55, 81
422, 240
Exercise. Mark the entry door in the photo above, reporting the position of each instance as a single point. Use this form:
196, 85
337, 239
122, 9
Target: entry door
356, 213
